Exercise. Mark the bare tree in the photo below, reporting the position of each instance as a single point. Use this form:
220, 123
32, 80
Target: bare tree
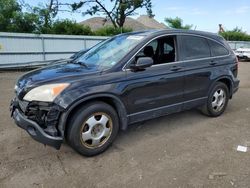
117, 13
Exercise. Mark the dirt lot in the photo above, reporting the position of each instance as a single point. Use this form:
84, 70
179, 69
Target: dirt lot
180, 150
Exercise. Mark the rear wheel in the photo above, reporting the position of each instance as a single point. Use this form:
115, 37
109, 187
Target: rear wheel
93, 128
217, 100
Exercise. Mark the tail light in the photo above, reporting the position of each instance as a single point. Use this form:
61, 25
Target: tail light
237, 62
235, 68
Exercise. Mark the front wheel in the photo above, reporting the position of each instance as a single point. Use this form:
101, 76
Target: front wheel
93, 128
217, 100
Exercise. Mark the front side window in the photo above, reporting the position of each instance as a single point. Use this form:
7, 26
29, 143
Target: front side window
161, 50
109, 53
194, 48
167, 51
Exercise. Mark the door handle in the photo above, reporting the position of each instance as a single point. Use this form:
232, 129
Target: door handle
176, 68
212, 63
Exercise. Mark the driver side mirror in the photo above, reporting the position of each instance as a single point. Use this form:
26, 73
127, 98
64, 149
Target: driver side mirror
142, 63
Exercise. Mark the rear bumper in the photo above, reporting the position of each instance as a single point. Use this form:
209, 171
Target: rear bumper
34, 130
236, 86
235, 89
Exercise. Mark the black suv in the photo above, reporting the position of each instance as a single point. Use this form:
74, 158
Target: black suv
128, 78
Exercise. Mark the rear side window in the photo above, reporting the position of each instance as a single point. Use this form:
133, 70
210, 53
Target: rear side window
194, 48
217, 49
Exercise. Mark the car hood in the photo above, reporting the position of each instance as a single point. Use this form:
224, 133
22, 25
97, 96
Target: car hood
63, 72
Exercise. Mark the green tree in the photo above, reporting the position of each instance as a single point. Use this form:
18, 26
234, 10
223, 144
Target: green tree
46, 13
235, 35
12, 19
177, 23
24, 22
8, 10
115, 10
69, 27
41, 18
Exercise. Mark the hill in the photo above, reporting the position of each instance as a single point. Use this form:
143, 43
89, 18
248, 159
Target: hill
141, 23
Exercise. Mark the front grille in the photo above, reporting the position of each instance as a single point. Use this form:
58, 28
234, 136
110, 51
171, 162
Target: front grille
46, 115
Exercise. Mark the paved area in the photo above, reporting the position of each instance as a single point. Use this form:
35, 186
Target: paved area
180, 150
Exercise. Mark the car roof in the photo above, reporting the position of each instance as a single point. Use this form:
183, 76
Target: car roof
157, 32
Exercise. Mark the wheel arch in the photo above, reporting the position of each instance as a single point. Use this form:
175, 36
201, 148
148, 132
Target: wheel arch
227, 81
110, 99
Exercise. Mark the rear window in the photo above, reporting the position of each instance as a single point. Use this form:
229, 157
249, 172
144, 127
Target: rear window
217, 49
194, 48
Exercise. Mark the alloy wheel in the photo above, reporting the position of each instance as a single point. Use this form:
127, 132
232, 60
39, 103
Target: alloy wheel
96, 130
219, 99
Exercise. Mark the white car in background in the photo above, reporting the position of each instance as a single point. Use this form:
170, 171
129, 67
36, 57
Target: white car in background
243, 53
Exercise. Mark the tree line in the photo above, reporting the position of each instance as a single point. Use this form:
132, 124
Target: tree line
18, 16
235, 34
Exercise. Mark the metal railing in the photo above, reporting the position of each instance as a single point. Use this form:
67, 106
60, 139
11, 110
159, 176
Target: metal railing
239, 44
22, 48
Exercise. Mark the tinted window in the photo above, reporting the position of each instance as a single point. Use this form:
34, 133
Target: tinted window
217, 49
194, 47
166, 50
154, 44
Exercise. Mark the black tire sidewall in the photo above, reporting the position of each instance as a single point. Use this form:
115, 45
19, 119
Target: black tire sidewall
77, 122
217, 86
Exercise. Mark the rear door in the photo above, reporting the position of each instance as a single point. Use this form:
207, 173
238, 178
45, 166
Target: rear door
196, 56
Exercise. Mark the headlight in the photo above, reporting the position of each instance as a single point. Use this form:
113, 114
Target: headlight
45, 93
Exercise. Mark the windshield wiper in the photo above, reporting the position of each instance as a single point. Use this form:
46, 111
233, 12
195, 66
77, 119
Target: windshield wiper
81, 63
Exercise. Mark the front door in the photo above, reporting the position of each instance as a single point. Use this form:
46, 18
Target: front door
157, 90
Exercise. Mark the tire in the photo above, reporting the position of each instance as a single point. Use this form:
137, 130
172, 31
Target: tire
217, 100
93, 128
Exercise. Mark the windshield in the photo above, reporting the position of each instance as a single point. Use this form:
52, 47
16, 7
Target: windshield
109, 52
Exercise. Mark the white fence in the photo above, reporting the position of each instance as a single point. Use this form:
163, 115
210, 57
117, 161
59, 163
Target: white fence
23, 48
239, 44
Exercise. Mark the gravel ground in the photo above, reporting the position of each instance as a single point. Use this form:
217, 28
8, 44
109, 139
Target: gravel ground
180, 150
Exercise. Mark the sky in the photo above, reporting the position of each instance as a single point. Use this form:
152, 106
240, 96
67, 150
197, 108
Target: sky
203, 15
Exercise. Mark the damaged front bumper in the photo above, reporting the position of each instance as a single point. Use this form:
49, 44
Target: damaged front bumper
41, 122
